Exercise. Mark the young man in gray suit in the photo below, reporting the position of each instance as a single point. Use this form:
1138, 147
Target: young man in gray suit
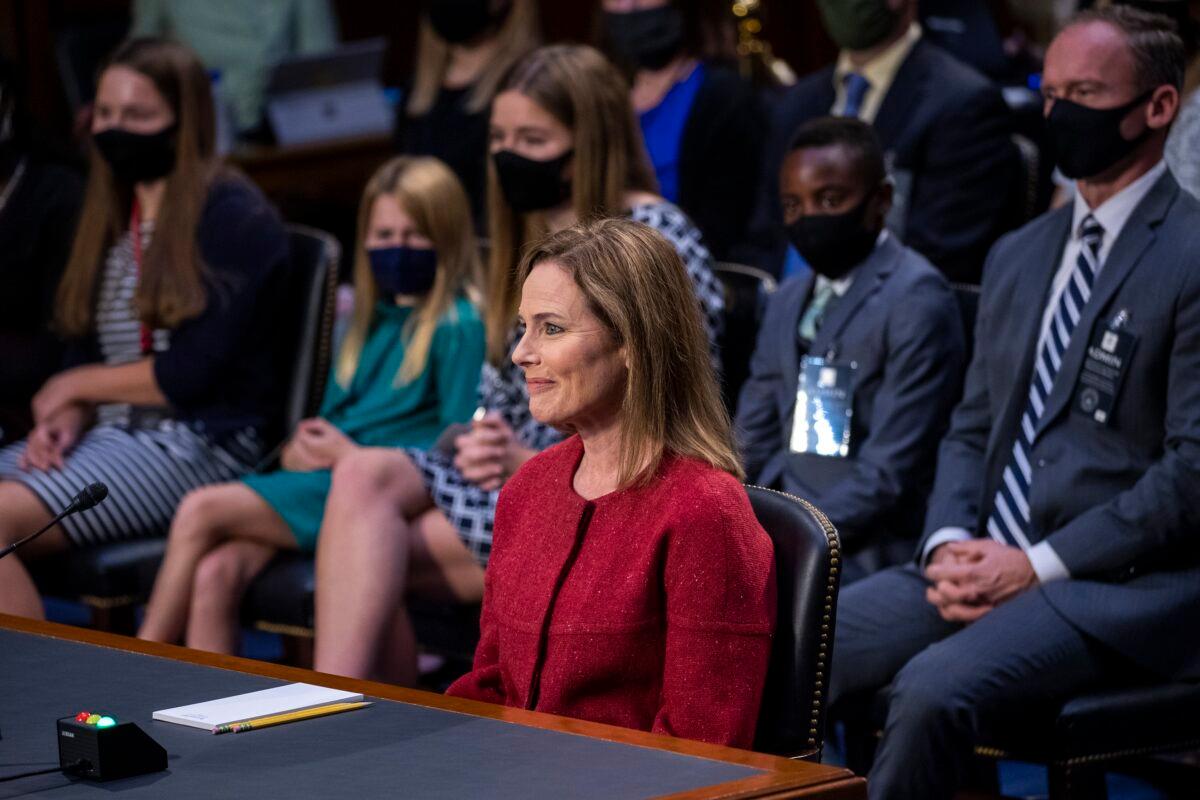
1061, 547
878, 320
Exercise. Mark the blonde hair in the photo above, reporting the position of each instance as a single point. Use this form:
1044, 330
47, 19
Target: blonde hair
577, 86
171, 287
429, 193
636, 284
518, 34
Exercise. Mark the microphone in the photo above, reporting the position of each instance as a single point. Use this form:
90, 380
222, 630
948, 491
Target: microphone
88, 497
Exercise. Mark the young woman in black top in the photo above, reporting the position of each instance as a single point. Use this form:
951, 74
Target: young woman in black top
464, 49
167, 300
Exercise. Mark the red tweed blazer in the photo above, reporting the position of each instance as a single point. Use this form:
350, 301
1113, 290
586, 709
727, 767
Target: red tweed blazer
650, 608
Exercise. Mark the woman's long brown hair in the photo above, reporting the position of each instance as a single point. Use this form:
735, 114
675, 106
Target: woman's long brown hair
635, 283
171, 286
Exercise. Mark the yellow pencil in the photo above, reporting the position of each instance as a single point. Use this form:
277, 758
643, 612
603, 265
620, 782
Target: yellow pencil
291, 716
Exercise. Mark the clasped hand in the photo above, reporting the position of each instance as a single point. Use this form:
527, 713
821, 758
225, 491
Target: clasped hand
968, 579
53, 437
316, 444
58, 420
489, 453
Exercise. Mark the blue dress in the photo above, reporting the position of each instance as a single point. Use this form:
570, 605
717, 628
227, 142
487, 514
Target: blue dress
375, 411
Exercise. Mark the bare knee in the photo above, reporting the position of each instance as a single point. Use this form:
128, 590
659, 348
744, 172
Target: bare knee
200, 515
371, 470
21, 512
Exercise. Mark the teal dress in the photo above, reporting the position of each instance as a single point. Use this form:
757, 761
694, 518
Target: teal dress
376, 412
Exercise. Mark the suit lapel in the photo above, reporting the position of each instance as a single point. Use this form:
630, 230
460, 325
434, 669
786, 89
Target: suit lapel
905, 91
1137, 235
871, 274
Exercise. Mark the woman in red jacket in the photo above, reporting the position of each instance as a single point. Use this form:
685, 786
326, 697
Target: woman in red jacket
629, 581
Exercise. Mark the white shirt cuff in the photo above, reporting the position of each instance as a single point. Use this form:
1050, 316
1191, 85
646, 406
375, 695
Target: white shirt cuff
940, 537
1046, 563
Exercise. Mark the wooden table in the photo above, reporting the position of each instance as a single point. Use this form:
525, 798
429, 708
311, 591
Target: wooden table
47, 669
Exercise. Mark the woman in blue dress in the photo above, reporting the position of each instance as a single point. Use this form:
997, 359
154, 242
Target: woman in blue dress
407, 369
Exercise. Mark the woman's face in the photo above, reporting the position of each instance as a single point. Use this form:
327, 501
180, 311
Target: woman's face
391, 226
573, 367
125, 98
522, 126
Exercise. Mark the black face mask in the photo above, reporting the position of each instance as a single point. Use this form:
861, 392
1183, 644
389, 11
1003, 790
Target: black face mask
459, 21
403, 270
833, 244
649, 38
1087, 141
530, 185
137, 157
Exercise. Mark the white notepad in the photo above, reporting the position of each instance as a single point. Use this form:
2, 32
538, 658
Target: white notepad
279, 700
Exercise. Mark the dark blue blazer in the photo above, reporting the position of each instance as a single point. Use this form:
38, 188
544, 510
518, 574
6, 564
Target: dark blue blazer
1119, 503
945, 131
899, 322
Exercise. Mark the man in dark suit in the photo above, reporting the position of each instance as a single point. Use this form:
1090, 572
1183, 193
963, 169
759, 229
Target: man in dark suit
1060, 550
945, 131
874, 308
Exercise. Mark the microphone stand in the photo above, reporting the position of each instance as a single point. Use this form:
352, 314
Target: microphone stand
61, 515
89, 497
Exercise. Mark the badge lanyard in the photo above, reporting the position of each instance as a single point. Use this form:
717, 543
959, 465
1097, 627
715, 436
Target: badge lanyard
135, 228
821, 423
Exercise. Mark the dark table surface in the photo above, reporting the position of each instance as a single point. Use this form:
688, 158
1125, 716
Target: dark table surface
388, 749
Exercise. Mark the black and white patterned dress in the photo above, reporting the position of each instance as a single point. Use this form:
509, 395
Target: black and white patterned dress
502, 389
148, 460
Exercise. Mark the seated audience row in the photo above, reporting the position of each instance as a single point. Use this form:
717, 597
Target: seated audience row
1055, 553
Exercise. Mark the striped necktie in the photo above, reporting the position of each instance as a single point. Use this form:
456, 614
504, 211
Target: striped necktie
856, 91
1009, 521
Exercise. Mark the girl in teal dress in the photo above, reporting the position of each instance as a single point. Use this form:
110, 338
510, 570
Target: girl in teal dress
407, 369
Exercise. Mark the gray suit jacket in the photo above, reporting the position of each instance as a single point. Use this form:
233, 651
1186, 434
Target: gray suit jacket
899, 321
1119, 503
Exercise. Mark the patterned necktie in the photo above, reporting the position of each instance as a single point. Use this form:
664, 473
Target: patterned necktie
856, 91
810, 322
1009, 522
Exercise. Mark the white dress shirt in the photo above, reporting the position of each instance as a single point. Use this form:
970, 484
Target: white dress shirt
1112, 215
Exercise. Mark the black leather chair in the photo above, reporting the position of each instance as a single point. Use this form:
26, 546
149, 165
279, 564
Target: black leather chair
113, 579
808, 570
1112, 730
746, 290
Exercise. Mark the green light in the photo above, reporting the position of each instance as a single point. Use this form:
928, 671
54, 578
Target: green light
106, 722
